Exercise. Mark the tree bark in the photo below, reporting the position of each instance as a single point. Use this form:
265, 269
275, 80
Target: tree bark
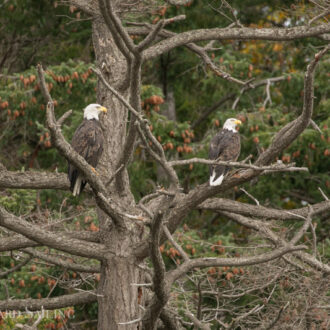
117, 298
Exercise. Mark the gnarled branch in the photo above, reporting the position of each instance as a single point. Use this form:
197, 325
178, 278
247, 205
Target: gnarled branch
33, 180
17, 242
31, 305
56, 241
221, 204
272, 34
173, 275
292, 130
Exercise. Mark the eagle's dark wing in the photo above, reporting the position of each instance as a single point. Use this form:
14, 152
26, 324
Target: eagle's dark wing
224, 146
88, 142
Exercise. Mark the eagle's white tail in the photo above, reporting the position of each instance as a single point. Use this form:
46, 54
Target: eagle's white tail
218, 181
77, 186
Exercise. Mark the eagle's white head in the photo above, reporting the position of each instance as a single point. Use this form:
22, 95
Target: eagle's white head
231, 124
93, 110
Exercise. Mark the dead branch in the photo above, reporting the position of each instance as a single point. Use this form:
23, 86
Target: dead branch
175, 244
175, 274
33, 180
292, 130
271, 325
145, 126
321, 15
169, 320
272, 34
15, 268
277, 240
213, 67
63, 118
118, 95
159, 158
56, 241
59, 262
242, 294
197, 322
304, 228
323, 194
178, 2
151, 36
273, 168
48, 303
17, 242
255, 85
221, 204
201, 52
161, 290
120, 36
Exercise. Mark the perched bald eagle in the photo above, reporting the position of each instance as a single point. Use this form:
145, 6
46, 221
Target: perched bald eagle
225, 146
87, 141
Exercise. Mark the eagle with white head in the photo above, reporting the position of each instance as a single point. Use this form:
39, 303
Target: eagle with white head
87, 141
225, 146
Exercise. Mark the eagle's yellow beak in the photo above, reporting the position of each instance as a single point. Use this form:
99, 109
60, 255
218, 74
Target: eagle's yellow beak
238, 122
104, 109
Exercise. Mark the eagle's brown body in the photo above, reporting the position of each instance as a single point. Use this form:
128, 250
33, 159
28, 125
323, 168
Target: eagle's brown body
225, 146
87, 141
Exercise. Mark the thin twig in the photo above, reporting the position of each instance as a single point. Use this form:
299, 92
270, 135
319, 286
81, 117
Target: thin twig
325, 13
304, 227
15, 268
131, 322
271, 325
268, 98
176, 245
315, 252
61, 120
197, 322
314, 125
323, 194
145, 126
113, 176
253, 198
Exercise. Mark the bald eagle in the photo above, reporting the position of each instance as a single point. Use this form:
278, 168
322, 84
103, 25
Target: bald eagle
225, 146
87, 141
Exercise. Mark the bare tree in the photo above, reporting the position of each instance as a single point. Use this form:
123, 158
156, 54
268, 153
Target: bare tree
131, 232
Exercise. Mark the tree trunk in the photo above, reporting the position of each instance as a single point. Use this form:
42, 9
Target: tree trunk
118, 301
118, 298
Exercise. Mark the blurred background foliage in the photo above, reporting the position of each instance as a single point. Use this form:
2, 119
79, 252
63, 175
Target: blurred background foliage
59, 37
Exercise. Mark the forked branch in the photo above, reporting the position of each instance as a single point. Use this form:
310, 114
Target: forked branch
145, 127
292, 130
